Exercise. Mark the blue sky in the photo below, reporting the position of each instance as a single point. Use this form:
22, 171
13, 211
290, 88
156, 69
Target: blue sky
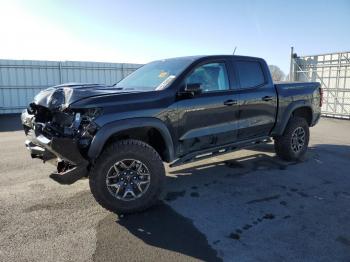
142, 31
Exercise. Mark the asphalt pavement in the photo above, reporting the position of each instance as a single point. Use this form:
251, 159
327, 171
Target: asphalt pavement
244, 206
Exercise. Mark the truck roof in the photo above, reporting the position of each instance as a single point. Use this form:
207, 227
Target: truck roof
197, 57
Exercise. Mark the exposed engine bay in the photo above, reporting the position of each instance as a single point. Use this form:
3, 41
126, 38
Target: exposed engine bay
60, 135
59, 131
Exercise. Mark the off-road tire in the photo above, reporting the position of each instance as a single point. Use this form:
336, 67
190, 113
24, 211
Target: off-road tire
283, 144
117, 151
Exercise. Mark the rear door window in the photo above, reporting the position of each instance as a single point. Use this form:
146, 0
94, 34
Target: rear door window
250, 74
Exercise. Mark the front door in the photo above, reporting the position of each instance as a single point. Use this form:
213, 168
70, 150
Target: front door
210, 118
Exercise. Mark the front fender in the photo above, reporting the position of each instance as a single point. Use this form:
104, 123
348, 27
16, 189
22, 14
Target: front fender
112, 128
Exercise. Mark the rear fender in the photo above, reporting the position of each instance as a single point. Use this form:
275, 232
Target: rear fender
284, 116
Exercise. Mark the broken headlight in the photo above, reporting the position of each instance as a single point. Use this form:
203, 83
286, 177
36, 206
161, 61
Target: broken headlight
87, 120
77, 122
87, 126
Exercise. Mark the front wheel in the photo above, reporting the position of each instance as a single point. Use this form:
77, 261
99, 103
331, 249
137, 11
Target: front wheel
292, 145
127, 177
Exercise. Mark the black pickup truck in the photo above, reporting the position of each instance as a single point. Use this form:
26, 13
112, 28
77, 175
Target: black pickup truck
174, 110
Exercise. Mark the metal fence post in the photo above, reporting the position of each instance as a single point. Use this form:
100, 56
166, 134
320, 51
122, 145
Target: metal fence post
291, 69
60, 72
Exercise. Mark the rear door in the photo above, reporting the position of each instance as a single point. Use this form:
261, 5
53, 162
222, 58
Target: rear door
208, 119
258, 98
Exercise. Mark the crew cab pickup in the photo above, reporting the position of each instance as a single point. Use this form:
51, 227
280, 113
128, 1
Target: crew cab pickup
176, 111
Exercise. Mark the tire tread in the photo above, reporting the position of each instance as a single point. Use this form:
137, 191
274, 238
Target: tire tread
282, 143
111, 150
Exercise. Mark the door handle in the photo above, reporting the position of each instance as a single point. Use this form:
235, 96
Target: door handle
230, 102
267, 98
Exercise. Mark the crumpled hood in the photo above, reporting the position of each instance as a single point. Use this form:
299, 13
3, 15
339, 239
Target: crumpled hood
61, 96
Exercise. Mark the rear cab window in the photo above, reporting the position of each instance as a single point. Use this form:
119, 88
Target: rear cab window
250, 74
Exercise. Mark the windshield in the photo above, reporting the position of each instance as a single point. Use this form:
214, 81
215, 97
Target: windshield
156, 75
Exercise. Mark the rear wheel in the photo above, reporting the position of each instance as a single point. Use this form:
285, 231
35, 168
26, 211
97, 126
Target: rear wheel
292, 145
127, 177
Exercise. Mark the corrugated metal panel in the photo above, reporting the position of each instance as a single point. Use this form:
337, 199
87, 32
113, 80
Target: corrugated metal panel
20, 80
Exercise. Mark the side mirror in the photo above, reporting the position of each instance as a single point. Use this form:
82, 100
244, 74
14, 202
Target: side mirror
193, 89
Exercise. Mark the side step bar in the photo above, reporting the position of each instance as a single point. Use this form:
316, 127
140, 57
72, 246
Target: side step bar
216, 151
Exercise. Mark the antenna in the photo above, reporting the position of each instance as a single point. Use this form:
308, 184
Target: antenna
234, 51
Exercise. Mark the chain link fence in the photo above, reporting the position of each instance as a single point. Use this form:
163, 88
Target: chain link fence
333, 72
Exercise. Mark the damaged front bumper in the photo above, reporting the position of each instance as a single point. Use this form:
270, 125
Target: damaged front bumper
62, 150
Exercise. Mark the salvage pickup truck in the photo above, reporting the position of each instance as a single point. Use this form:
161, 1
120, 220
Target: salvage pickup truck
176, 111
